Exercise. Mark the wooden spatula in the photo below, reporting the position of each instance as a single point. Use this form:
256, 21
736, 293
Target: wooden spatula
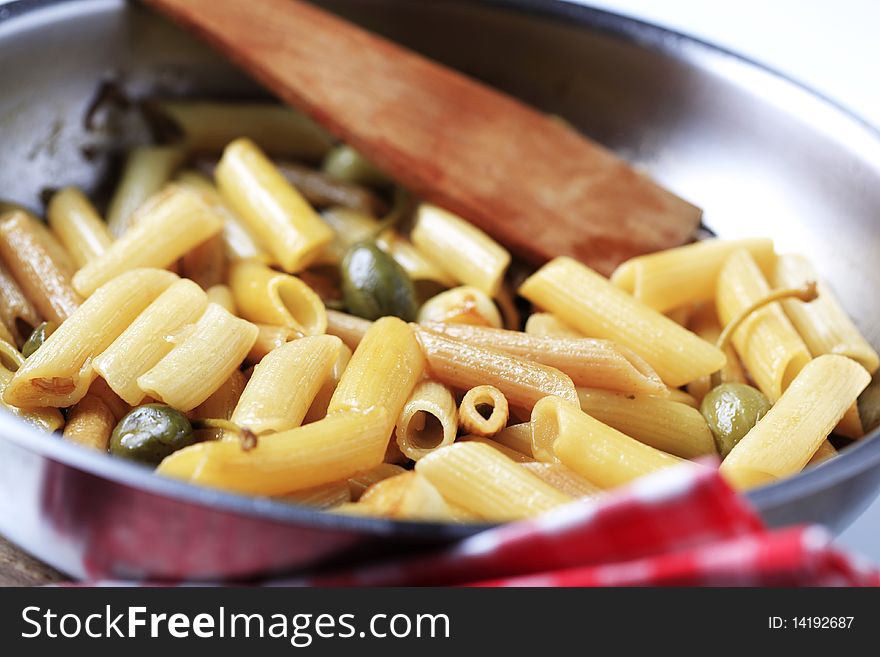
534, 184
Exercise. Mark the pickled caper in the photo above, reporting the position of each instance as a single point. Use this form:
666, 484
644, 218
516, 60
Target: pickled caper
731, 410
37, 337
151, 432
346, 164
374, 285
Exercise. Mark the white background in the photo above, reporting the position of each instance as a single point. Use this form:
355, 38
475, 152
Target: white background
831, 45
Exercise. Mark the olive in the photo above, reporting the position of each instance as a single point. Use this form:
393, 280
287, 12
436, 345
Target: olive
869, 406
374, 285
38, 337
731, 410
346, 164
151, 432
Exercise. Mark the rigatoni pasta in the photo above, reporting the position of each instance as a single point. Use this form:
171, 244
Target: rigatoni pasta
75, 221
428, 421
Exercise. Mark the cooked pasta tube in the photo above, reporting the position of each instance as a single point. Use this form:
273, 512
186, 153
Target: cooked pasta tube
323, 452
325, 496
592, 363
587, 301
146, 170
6, 335
222, 296
787, 437
318, 409
680, 315
205, 263
666, 425
850, 424
546, 324
517, 437
428, 420
823, 323
149, 338
45, 419
680, 396
195, 367
484, 481
349, 227
268, 338
114, 402
240, 243
675, 277
266, 296
59, 373
359, 482
220, 405
704, 322
512, 454
76, 223
461, 305
276, 213
285, 383
410, 496
464, 365
208, 127
470, 412
826, 452
383, 371
175, 222
29, 251
17, 313
460, 249
348, 328
90, 423
566, 480
599, 453
767, 343
416, 265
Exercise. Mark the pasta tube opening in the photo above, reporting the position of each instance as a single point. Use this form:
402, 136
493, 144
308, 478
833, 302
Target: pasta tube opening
427, 421
483, 411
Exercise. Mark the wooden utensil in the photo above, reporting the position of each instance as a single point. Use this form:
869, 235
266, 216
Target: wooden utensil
534, 184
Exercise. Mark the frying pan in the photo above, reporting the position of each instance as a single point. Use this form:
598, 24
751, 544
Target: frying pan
760, 153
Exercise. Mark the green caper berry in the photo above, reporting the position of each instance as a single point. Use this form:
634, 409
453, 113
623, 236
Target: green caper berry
151, 432
374, 285
731, 410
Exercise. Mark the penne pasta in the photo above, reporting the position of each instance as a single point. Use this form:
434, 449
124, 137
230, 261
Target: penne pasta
823, 324
676, 277
359, 482
76, 223
582, 298
268, 338
59, 373
767, 343
826, 452
325, 496
318, 409
349, 227
414, 263
428, 421
592, 363
329, 450
285, 383
149, 338
222, 296
146, 170
517, 437
666, 425
90, 423
175, 222
348, 328
205, 263
464, 365
265, 296
560, 477
461, 305
17, 313
284, 223
460, 249
207, 127
39, 266
476, 402
220, 406
546, 324
45, 419
194, 367
512, 454
850, 424
787, 437
599, 453
383, 371
484, 481
410, 496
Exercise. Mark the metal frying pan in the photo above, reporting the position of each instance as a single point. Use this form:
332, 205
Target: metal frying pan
761, 154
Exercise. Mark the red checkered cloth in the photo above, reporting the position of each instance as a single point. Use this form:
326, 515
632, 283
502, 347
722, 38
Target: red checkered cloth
680, 527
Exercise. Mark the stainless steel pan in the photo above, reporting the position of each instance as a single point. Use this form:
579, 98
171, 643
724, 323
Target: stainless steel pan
761, 154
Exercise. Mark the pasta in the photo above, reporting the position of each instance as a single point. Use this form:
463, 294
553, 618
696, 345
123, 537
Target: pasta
194, 367
461, 305
59, 373
428, 420
767, 343
581, 297
77, 225
510, 453
785, 439
276, 213
460, 249
47, 419
17, 313
266, 296
173, 224
90, 423
318, 409
348, 328
361, 481
676, 277
704, 322
546, 324
471, 415
560, 477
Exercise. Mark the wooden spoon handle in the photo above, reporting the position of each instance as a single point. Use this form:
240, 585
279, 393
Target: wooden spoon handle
531, 182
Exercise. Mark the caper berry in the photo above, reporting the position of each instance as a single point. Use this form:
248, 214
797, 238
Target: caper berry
151, 432
346, 164
38, 337
731, 410
374, 285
